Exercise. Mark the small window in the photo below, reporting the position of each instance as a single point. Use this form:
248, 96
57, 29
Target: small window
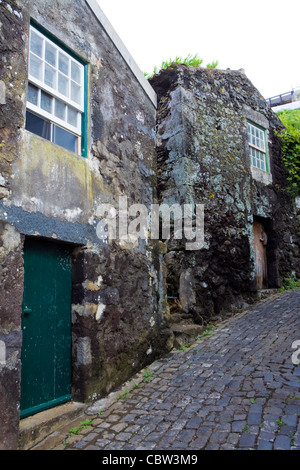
55, 96
258, 147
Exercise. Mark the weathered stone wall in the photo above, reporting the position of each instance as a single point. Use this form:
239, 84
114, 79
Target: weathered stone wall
119, 311
203, 158
13, 76
11, 280
47, 191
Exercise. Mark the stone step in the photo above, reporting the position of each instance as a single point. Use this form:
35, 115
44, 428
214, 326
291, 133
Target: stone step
41, 430
180, 318
185, 333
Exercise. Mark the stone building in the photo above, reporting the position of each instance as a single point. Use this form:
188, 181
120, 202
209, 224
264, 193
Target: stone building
217, 145
77, 131
80, 131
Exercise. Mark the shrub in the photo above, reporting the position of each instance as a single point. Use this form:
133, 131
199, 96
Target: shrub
190, 61
290, 139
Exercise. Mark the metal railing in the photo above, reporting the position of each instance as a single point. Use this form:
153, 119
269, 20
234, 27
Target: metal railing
284, 98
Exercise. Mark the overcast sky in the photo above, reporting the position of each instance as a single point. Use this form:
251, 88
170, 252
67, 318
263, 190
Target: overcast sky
260, 36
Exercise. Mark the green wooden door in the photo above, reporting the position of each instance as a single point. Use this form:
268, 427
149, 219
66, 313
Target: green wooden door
46, 326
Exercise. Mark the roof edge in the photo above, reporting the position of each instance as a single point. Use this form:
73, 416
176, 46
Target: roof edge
95, 7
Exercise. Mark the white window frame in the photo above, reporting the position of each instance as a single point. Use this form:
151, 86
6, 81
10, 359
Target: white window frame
258, 145
79, 107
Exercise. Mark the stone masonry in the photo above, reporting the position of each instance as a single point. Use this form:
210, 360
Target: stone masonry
236, 388
46, 191
203, 158
191, 148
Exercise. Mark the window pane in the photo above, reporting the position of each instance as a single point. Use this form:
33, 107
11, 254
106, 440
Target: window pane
72, 116
50, 76
75, 72
60, 109
262, 142
38, 125
36, 43
32, 94
46, 102
65, 139
63, 85
50, 54
75, 93
35, 67
63, 63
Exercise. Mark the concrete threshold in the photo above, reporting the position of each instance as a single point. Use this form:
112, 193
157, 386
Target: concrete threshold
45, 429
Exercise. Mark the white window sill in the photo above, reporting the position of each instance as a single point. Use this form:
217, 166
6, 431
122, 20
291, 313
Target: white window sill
261, 176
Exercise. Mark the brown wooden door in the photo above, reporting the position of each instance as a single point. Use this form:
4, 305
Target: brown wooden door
260, 247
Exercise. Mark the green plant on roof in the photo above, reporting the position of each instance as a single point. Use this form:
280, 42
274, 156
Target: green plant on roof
190, 61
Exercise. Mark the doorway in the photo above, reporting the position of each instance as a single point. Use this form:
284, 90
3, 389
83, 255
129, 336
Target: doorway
260, 248
265, 247
46, 326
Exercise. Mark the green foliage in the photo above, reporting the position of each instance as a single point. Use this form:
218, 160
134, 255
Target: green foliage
124, 395
290, 283
209, 331
148, 375
184, 347
212, 65
190, 61
83, 425
290, 138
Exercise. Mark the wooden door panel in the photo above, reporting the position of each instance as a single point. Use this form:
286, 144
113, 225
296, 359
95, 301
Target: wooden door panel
46, 326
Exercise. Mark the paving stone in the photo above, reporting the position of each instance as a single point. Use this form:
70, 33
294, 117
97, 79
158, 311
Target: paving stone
267, 435
254, 418
290, 420
264, 445
119, 427
123, 436
203, 435
282, 443
194, 422
228, 391
247, 441
238, 426
90, 436
224, 401
102, 443
80, 444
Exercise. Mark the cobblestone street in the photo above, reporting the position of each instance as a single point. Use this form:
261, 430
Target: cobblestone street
234, 388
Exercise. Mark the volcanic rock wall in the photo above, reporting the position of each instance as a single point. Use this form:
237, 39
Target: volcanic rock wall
203, 158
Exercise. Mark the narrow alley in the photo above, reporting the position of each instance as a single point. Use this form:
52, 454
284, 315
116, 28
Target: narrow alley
237, 387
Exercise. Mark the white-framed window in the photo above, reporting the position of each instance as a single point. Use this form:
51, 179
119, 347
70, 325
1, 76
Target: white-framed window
55, 96
258, 147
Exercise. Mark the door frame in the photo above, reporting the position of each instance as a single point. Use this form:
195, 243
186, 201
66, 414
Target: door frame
271, 251
67, 397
